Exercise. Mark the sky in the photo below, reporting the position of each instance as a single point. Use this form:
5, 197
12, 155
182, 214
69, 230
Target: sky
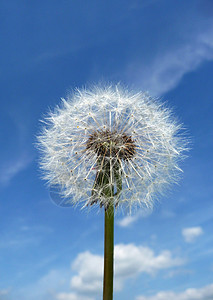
47, 49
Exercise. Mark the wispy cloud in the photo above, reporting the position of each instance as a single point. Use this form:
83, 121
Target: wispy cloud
10, 169
189, 294
72, 296
190, 234
19, 154
47, 287
19, 241
130, 219
24, 236
130, 261
169, 66
3, 293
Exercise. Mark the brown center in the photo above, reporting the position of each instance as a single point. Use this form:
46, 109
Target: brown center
111, 144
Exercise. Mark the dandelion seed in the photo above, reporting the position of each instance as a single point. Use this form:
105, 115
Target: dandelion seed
110, 145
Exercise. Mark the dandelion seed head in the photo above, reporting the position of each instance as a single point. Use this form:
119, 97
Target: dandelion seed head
112, 144
107, 144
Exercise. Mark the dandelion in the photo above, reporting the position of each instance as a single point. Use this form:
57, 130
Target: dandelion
113, 148
108, 144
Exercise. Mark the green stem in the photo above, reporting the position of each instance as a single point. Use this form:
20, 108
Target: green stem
108, 253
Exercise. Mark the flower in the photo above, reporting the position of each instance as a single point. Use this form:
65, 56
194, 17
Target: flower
108, 145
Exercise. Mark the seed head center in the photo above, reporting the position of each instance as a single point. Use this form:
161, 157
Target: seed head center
111, 144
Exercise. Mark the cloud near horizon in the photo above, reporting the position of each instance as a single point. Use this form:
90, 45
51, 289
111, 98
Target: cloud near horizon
130, 261
204, 293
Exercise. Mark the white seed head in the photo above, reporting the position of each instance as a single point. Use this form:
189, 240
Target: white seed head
108, 144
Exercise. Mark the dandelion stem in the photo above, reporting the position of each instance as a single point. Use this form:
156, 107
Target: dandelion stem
108, 253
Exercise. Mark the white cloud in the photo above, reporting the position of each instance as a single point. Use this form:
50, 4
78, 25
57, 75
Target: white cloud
205, 293
12, 168
168, 67
130, 261
72, 296
191, 233
4, 294
130, 219
90, 271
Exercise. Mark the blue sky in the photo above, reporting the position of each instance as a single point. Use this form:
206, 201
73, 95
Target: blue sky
49, 47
